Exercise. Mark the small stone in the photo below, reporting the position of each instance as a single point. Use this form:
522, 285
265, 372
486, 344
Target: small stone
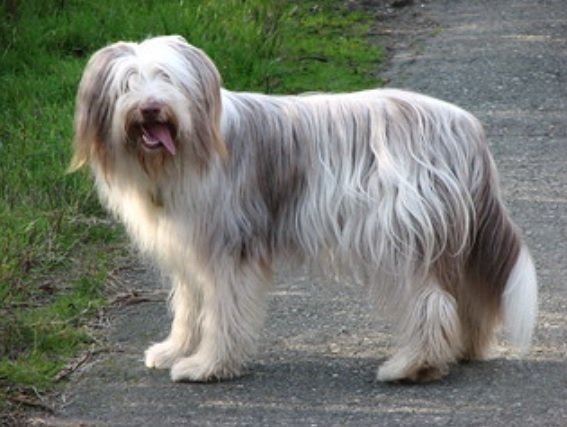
334, 348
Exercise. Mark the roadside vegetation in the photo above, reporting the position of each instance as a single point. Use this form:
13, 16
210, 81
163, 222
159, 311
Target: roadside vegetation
57, 247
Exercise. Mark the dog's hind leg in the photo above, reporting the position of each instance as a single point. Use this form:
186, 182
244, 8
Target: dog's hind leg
429, 336
479, 320
232, 313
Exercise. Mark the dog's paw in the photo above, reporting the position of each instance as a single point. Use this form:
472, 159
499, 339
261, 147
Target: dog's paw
199, 369
394, 369
399, 369
162, 355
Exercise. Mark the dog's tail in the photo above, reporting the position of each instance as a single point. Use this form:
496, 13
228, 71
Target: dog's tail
503, 274
520, 301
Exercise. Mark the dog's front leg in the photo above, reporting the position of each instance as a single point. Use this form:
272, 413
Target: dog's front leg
232, 313
184, 336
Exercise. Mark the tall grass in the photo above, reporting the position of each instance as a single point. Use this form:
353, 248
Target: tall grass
56, 244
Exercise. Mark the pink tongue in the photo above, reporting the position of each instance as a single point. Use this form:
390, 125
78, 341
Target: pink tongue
160, 133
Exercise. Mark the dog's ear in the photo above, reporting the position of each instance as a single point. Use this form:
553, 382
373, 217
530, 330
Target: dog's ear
205, 92
94, 107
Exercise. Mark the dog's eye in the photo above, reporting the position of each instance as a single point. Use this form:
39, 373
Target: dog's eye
126, 86
128, 83
162, 75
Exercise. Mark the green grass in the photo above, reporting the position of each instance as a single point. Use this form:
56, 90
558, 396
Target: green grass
56, 244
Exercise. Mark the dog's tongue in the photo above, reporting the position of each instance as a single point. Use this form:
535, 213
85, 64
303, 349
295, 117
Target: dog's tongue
159, 133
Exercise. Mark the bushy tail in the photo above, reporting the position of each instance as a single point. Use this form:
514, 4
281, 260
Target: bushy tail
519, 301
503, 277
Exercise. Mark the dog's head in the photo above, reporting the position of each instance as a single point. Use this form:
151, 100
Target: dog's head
155, 102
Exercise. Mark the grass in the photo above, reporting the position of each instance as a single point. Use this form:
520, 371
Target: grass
57, 246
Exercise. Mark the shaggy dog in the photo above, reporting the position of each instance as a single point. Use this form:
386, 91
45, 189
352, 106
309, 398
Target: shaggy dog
393, 188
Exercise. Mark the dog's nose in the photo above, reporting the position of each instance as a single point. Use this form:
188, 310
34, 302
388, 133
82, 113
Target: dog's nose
150, 108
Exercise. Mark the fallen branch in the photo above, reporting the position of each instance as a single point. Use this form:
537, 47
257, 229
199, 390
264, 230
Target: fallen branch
134, 297
77, 363
24, 399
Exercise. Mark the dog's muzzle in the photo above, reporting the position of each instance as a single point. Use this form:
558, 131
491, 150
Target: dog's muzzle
155, 130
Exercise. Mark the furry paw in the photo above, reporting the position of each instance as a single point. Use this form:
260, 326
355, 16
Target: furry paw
400, 369
200, 369
162, 355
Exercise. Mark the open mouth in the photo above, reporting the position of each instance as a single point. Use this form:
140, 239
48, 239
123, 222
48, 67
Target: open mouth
157, 135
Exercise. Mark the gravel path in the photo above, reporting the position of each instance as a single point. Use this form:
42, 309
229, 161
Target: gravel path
506, 61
